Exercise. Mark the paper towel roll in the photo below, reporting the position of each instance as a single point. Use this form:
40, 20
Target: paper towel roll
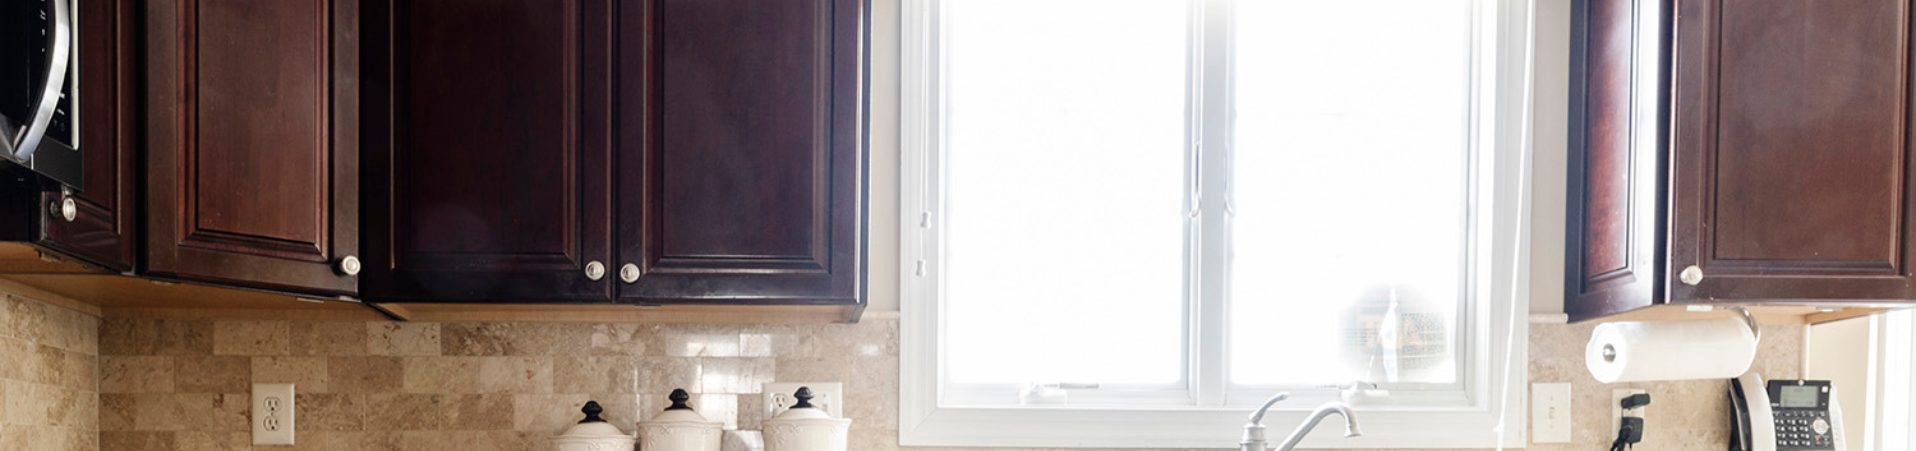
1671, 350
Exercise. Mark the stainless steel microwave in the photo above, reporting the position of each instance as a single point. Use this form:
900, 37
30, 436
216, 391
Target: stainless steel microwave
39, 76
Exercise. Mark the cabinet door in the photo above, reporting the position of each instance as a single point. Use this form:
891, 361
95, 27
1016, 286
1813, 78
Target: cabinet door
102, 229
751, 176
253, 160
1614, 225
1791, 166
488, 151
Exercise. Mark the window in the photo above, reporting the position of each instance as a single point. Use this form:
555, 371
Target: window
1129, 222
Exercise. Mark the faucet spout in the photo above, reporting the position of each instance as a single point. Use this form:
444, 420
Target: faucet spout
1254, 431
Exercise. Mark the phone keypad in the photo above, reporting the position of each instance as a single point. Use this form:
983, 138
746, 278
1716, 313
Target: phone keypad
1803, 430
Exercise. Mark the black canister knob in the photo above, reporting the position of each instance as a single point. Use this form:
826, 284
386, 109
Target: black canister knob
679, 397
804, 396
592, 411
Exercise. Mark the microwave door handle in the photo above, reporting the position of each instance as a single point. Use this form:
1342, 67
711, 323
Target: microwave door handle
56, 79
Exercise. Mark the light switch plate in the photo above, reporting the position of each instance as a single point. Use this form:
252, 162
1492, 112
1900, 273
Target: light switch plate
1550, 412
829, 396
272, 414
1617, 413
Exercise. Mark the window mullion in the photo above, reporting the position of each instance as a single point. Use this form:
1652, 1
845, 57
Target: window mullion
1212, 118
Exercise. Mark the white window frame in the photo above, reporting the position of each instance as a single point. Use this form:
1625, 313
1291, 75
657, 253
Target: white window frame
1486, 410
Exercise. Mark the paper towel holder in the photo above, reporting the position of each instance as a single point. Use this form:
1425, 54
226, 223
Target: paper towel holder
1749, 320
1610, 351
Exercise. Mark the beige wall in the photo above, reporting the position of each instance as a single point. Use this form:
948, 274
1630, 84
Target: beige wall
1839, 352
1548, 141
49, 377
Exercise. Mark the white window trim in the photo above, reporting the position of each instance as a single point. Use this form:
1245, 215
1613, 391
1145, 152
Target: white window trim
1494, 399
1889, 414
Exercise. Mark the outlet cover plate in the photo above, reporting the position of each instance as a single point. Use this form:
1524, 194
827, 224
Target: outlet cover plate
273, 414
826, 395
1617, 412
1550, 412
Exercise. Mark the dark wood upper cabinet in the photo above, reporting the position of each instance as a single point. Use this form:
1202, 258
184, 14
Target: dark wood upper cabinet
748, 184
104, 227
1740, 152
252, 142
488, 151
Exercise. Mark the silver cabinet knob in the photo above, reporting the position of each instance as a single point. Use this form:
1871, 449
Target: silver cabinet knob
349, 265
594, 270
1691, 275
629, 273
65, 208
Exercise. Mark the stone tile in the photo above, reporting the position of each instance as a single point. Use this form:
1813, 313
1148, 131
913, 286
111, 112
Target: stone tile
751, 412
873, 439
82, 371
214, 441
406, 412
480, 412
880, 410
515, 375
44, 364
125, 374
873, 375
441, 374
117, 411
515, 339
307, 374
327, 338
331, 411
720, 408
626, 340
664, 374
210, 374
403, 339
701, 345
217, 412
755, 345
28, 319
16, 352
596, 374
364, 374
354, 441
250, 337
137, 441
809, 369
136, 336
547, 412
735, 375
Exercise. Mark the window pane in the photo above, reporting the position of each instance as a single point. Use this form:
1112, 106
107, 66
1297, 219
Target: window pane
1350, 176
1065, 122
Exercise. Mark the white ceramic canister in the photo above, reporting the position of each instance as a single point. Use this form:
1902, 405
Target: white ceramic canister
679, 428
806, 428
593, 434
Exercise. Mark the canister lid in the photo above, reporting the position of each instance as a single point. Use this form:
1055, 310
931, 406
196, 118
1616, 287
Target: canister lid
592, 425
679, 411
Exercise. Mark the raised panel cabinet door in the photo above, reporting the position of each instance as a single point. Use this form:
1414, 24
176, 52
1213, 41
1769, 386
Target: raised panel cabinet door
103, 228
751, 172
1615, 220
488, 154
1791, 152
253, 159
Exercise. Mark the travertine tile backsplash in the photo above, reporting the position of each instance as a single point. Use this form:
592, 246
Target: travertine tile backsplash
183, 384
166, 384
49, 377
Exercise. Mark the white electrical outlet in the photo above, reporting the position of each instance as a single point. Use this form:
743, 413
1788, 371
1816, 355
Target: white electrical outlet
272, 414
1550, 413
1617, 413
829, 396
